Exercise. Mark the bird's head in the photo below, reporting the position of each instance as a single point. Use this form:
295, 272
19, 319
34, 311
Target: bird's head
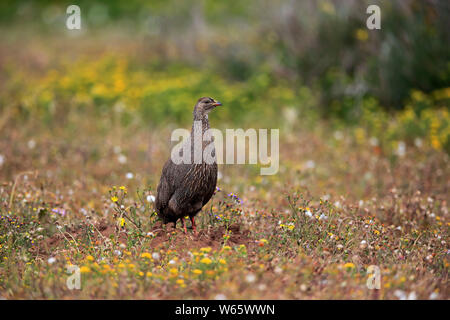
205, 105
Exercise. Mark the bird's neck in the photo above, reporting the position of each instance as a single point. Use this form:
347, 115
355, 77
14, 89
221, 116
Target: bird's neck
200, 132
200, 120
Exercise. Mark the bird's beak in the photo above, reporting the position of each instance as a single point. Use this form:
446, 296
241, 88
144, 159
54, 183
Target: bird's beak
217, 103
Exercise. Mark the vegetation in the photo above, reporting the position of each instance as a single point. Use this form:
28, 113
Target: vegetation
86, 118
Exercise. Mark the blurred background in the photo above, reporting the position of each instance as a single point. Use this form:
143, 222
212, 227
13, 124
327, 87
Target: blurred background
311, 66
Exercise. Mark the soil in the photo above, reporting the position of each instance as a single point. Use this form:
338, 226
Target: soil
208, 237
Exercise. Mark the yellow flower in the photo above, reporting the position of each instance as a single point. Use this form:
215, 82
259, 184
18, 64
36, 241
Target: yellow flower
207, 249
173, 271
226, 248
206, 261
197, 271
222, 261
361, 35
349, 265
146, 255
180, 281
85, 269
90, 258
114, 199
376, 232
141, 274
149, 274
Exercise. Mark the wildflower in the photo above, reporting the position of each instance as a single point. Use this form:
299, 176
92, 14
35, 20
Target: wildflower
173, 271
122, 159
207, 249
146, 255
376, 232
51, 260
85, 269
308, 213
363, 244
310, 164
90, 258
121, 222
222, 261
151, 198
172, 262
129, 175
149, 274
434, 295
141, 274
206, 261
180, 282
361, 35
155, 255
262, 242
250, 278
197, 271
349, 265
114, 199
226, 248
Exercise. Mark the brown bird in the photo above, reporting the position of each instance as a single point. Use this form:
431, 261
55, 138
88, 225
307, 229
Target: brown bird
185, 188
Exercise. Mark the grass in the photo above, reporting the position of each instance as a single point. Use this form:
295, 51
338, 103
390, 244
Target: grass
81, 152
310, 232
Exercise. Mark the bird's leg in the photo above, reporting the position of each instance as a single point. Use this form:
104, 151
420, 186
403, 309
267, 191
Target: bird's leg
183, 225
194, 227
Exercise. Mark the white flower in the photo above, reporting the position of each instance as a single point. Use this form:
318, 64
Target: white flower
418, 142
31, 144
308, 213
412, 296
155, 255
400, 294
150, 234
250, 278
151, 198
323, 217
51, 260
117, 252
172, 262
338, 135
122, 159
401, 149
278, 270
220, 296
310, 164
122, 246
434, 296
129, 175
262, 287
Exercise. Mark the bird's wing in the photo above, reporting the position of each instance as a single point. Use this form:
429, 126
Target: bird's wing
165, 189
212, 177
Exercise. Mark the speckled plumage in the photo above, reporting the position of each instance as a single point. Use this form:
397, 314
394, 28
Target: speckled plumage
185, 188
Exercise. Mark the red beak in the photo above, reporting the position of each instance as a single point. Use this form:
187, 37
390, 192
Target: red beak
217, 103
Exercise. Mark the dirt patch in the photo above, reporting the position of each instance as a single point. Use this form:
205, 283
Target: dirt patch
213, 237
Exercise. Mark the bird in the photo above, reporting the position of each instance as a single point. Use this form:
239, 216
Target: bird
184, 188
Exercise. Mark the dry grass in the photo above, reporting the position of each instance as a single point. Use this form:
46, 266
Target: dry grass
309, 232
